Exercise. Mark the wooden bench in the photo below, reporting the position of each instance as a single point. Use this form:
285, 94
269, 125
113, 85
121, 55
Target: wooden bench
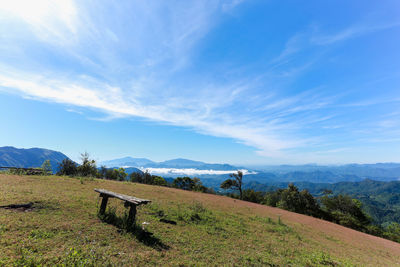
130, 201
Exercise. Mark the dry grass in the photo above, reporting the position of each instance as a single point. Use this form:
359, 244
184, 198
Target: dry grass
211, 230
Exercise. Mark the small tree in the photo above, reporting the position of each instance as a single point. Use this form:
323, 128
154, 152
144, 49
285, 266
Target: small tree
158, 180
253, 196
198, 185
46, 167
185, 183
235, 184
103, 171
136, 177
67, 167
121, 174
88, 166
147, 177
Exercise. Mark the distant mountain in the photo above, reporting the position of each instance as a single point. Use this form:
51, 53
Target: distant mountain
32, 157
126, 161
173, 163
191, 164
181, 163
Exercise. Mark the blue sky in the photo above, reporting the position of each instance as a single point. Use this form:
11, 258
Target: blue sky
243, 82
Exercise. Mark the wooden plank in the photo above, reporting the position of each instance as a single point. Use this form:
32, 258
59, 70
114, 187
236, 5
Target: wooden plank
133, 200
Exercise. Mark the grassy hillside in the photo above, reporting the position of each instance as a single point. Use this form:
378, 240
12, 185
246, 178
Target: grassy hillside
63, 228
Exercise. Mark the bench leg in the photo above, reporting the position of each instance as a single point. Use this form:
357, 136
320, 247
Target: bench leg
132, 215
103, 205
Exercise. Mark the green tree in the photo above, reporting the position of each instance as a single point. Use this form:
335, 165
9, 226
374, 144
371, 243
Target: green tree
88, 166
185, 183
121, 174
346, 211
136, 177
392, 232
46, 167
147, 178
158, 180
252, 196
198, 185
294, 200
103, 171
67, 167
235, 184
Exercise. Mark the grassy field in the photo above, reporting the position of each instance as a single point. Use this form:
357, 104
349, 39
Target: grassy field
63, 229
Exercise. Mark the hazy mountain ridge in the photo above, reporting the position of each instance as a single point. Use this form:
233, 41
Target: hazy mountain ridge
126, 161
178, 163
376, 170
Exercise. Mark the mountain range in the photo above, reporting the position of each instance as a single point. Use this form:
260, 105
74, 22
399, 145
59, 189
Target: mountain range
213, 173
173, 163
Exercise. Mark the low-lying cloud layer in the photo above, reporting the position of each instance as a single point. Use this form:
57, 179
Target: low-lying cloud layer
192, 172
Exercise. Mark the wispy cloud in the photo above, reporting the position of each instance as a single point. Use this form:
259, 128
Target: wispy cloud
350, 32
156, 48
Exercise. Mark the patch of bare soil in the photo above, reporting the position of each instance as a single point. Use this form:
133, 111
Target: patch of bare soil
25, 207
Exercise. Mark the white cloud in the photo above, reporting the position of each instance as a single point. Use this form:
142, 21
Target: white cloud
191, 172
50, 20
179, 111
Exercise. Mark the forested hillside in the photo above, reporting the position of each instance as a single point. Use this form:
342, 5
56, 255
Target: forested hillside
381, 200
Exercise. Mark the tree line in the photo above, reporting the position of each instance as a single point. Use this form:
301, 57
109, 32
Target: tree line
88, 168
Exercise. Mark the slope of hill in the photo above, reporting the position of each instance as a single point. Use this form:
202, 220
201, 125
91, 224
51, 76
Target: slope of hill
32, 157
211, 230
